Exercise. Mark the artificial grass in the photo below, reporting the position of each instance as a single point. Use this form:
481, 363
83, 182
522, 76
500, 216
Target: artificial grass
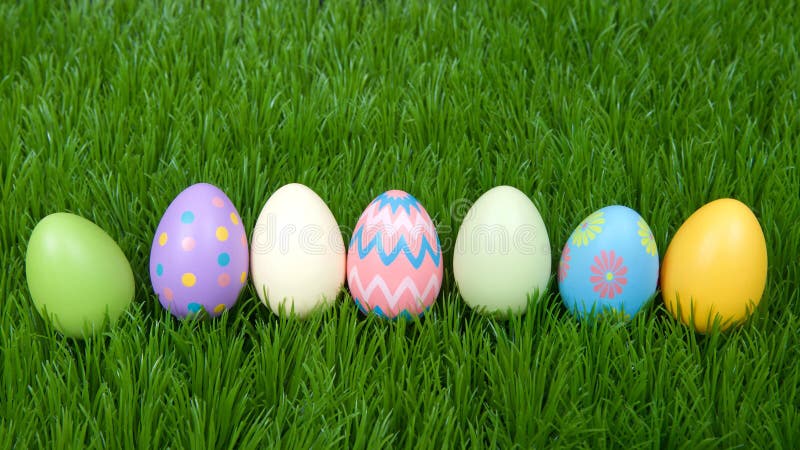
110, 109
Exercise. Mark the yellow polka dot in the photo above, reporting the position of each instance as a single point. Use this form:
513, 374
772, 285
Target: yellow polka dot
188, 279
243, 277
234, 219
219, 308
162, 239
222, 233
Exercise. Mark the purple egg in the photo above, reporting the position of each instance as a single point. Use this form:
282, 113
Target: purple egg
199, 258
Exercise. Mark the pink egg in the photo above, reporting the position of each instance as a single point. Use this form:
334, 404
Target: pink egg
394, 263
198, 260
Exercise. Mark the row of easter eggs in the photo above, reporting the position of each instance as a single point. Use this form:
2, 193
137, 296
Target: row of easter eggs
714, 269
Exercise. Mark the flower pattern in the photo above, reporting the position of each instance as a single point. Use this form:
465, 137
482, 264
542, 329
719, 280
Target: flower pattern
563, 265
588, 229
608, 274
648, 241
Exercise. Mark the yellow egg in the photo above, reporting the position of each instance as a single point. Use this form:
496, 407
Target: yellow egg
715, 266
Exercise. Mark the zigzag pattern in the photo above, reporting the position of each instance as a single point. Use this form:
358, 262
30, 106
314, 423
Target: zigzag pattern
382, 216
377, 282
406, 202
401, 247
404, 314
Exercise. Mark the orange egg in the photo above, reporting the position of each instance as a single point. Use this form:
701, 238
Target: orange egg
715, 266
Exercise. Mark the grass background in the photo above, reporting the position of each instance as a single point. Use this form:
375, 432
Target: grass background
110, 109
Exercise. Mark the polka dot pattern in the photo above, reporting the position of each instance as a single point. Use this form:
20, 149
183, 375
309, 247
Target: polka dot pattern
199, 251
188, 244
224, 280
223, 259
188, 279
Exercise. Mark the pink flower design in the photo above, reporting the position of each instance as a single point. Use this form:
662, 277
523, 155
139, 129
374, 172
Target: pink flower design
563, 265
609, 274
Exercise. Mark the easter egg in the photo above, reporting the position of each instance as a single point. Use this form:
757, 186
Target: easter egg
298, 259
77, 274
715, 267
502, 253
394, 261
609, 264
199, 256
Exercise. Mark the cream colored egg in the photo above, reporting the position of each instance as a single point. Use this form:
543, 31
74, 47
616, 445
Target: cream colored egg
502, 252
298, 255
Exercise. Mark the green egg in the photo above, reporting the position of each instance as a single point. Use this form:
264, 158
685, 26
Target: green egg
77, 274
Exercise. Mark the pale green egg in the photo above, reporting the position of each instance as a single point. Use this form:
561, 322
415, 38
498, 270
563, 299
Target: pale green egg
77, 274
502, 254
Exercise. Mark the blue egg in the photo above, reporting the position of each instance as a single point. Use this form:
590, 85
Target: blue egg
609, 264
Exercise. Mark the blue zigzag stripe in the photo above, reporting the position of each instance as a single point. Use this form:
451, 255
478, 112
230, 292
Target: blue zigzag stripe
407, 202
401, 247
360, 306
404, 314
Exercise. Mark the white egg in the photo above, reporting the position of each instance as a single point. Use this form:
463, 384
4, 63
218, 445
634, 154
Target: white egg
502, 252
298, 255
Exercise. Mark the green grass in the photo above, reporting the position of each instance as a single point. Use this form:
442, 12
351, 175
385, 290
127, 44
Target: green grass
109, 109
